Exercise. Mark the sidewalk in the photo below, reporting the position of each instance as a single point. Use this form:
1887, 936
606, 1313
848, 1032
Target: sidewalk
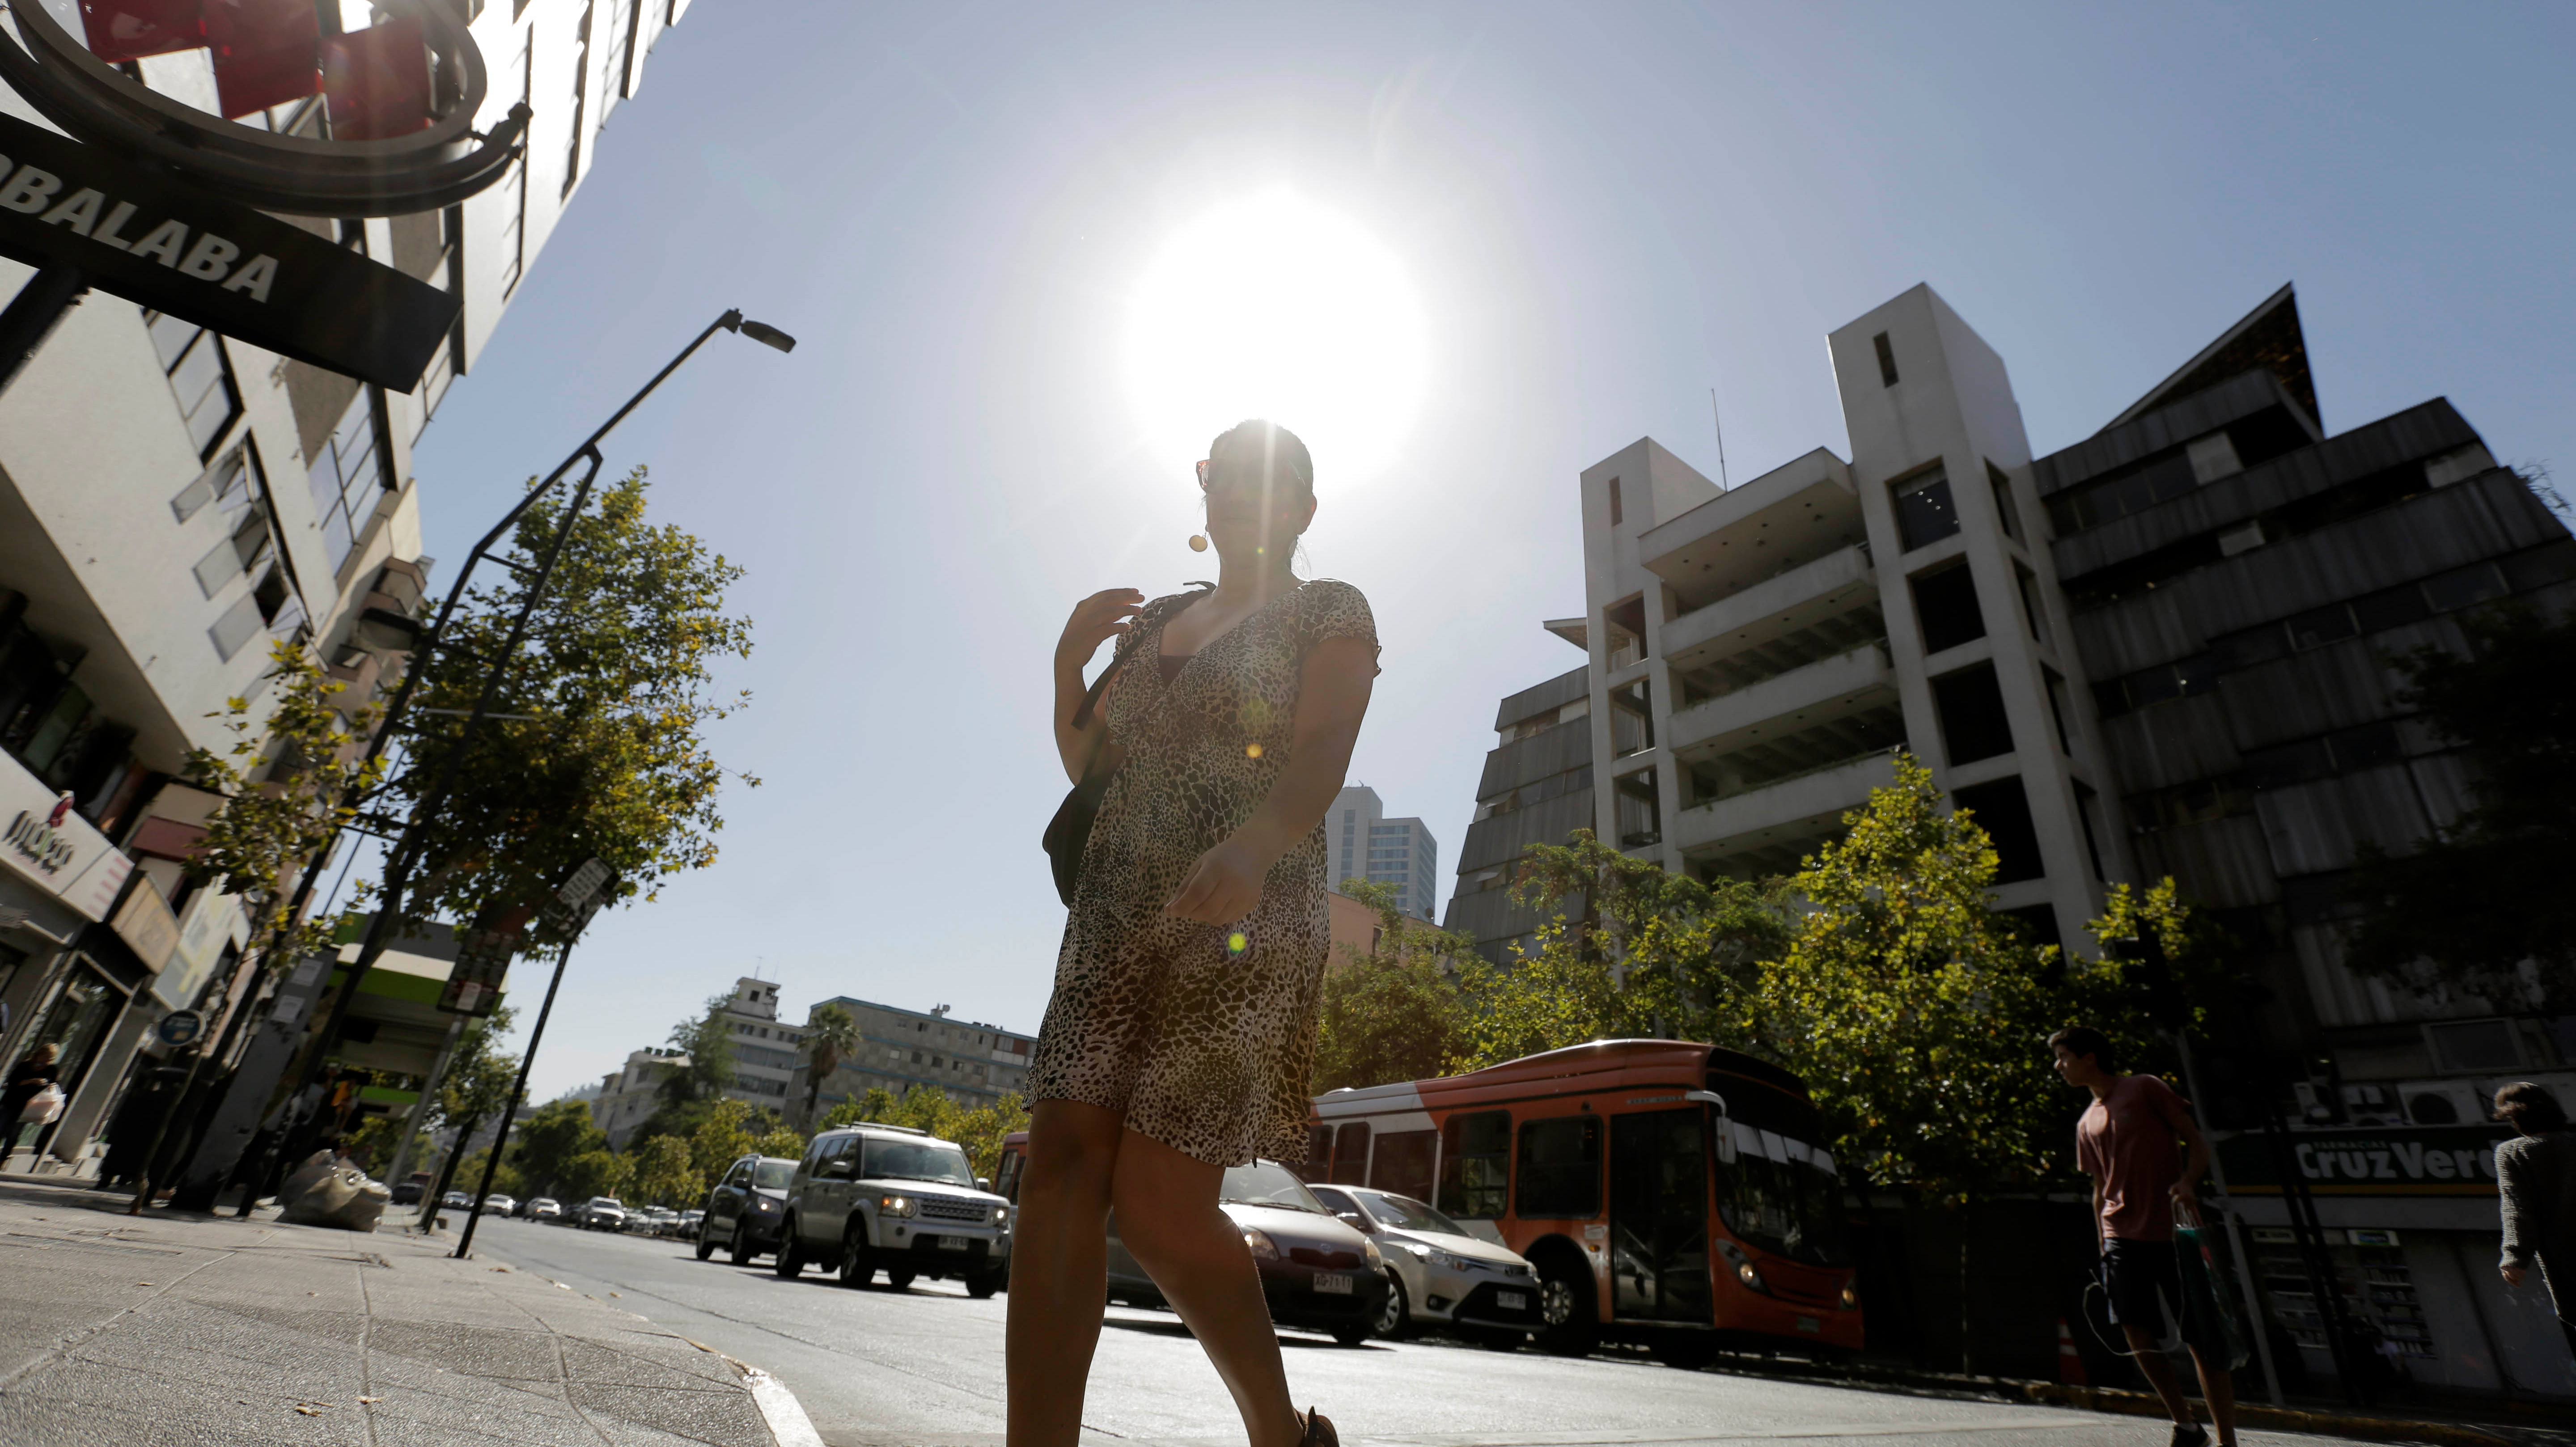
154, 1329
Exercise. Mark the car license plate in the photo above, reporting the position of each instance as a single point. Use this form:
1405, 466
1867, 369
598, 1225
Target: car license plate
1333, 1282
1809, 1323
1512, 1300
952, 1243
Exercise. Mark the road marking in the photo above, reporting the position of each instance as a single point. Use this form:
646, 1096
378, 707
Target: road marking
779, 1408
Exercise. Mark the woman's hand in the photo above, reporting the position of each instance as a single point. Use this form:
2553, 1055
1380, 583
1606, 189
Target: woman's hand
1223, 886
1103, 615
2512, 1275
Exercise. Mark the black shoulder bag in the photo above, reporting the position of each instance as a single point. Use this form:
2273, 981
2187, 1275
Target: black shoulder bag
1070, 830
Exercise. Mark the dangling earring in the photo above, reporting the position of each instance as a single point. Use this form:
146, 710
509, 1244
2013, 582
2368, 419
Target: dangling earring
1198, 542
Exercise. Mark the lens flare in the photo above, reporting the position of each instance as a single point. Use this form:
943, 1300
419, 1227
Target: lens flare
1275, 307
1237, 942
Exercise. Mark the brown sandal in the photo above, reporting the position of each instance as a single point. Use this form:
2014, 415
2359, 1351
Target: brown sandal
1319, 1431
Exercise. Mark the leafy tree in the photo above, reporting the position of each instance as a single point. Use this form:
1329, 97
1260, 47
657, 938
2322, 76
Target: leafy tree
282, 779
830, 1036
1918, 1017
594, 746
782, 1142
1655, 955
2482, 910
506, 1179
705, 1040
599, 1172
724, 1138
1392, 1012
662, 1173
545, 1145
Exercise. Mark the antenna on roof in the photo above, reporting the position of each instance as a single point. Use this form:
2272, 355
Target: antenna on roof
1721, 439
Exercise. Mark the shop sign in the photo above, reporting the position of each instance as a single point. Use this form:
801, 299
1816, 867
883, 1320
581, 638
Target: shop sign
2432, 1160
175, 249
42, 839
204, 930
147, 926
180, 1028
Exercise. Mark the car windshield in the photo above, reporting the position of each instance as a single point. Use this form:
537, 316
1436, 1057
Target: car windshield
1407, 1214
610, 1202
1265, 1184
773, 1175
917, 1161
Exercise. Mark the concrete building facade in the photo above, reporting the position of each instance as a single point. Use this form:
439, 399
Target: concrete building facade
900, 1048
172, 503
1365, 844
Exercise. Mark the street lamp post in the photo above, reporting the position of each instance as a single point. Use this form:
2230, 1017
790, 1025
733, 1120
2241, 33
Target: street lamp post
405, 856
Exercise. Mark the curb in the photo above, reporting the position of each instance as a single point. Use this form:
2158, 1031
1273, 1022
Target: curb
2291, 1419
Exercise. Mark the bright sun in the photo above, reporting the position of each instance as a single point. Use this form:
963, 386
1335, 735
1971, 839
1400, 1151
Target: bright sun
1274, 307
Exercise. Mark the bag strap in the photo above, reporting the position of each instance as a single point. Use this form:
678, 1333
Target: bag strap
1135, 639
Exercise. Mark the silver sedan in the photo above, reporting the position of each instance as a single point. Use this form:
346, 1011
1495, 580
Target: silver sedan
1442, 1275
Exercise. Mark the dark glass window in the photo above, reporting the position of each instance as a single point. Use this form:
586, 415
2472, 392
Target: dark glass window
1886, 359
2372, 743
2004, 509
1945, 603
2002, 809
1924, 512
2393, 609
1350, 1155
1560, 1172
1475, 1165
2318, 627
1971, 705
200, 378
2467, 586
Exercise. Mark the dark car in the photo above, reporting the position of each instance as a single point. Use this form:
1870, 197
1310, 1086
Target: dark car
1317, 1271
744, 1209
408, 1193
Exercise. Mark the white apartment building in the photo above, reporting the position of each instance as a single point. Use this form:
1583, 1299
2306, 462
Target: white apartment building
1753, 655
975, 1063
765, 1048
171, 501
1365, 844
628, 1096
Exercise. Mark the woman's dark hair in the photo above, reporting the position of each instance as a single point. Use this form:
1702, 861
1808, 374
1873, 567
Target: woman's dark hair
2085, 1040
1268, 446
2530, 1108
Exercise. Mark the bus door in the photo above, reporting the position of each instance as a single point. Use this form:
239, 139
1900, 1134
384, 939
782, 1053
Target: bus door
1659, 1216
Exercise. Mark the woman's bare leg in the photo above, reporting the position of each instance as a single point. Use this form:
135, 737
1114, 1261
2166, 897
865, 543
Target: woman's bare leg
1059, 1269
1168, 1219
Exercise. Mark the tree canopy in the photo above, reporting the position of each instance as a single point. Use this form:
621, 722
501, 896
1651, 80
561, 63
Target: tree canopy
1391, 1012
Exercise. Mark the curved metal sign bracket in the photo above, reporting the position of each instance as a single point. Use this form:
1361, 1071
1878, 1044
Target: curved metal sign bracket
436, 167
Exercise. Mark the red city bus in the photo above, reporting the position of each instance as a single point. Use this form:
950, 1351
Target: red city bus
1624, 1170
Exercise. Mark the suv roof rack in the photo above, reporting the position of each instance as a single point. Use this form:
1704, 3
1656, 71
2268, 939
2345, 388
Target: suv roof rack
881, 1125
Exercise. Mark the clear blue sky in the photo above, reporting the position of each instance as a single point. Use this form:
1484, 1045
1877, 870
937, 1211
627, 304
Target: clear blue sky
1601, 212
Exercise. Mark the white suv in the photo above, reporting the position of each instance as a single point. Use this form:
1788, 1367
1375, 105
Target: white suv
870, 1198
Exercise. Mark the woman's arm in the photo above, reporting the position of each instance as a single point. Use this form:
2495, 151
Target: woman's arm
1332, 697
2510, 1195
1103, 615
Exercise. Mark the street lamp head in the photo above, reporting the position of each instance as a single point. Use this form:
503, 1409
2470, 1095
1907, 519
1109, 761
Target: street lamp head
768, 336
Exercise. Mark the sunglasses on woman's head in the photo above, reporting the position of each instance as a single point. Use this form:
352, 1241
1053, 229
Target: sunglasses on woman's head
1206, 469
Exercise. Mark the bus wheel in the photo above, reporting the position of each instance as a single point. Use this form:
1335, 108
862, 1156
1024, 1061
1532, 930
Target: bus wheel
1565, 1305
1688, 1351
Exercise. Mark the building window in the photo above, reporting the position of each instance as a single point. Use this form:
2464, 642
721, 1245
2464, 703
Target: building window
621, 53
580, 93
514, 237
1614, 502
1971, 705
1945, 606
2008, 514
239, 493
2002, 809
1886, 359
1925, 513
200, 378
348, 474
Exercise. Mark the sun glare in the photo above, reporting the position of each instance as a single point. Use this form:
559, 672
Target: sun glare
1277, 308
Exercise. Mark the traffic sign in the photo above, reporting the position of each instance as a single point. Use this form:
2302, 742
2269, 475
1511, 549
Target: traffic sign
180, 1028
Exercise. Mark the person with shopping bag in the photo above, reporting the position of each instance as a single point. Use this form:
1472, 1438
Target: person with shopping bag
34, 1098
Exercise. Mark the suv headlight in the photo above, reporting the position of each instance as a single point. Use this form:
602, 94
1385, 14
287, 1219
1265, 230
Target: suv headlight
1001, 1215
899, 1207
1263, 1248
763, 1203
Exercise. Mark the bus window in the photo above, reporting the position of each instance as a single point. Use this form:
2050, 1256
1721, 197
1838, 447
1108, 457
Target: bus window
1403, 1163
1350, 1156
1475, 1165
1007, 1184
1561, 1168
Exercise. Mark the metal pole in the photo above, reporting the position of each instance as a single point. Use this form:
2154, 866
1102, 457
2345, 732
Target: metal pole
510, 1109
2235, 1232
2310, 1235
39, 307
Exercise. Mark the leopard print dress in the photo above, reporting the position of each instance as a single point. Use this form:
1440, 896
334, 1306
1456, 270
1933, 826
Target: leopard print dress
1200, 1041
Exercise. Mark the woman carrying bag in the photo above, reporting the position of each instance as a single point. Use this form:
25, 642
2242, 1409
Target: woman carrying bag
1178, 1039
28, 1103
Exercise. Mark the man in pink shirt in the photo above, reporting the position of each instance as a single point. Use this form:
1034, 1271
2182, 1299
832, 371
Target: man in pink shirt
2133, 1141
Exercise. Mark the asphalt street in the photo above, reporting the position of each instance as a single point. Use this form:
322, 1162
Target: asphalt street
924, 1366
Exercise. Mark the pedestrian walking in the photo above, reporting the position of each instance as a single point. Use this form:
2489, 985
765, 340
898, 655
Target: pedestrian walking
2146, 1156
31, 1077
2536, 1188
1178, 1038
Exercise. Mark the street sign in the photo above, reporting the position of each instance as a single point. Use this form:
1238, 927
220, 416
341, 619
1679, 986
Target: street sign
180, 1028
581, 896
205, 260
482, 962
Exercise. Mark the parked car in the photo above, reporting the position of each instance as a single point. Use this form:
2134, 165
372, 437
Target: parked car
542, 1208
603, 1213
409, 1192
662, 1221
746, 1208
886, 1197
1317, 1271
456, 1200
1440, 1275
497, 1204
689, 1223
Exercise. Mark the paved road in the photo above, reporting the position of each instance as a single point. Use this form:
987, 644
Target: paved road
924, 1367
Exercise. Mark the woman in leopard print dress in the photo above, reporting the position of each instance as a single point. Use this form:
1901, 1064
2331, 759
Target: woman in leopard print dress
1183, 1020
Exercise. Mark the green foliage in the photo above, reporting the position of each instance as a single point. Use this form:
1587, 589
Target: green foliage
477, 1084
706, 1038
1655, 955
928, 1108
283, 779
2483, 912
830, 1036
783, 1143
546, 1144
722, 1139
599, 1172
1393, 1012
661, 1173
376, 1139
599, 748
506, 1178
1918, 1017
